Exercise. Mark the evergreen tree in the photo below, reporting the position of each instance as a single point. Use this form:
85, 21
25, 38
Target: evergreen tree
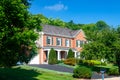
70, 54
52, 57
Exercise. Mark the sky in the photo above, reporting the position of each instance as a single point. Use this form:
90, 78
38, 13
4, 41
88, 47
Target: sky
80, 11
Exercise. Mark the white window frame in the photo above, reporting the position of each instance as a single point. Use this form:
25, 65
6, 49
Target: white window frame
60, 41
67, 42
79, 43
50, 38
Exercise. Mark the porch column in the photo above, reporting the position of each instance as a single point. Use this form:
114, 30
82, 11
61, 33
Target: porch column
75, 54
48, 51
66, 54
58, 55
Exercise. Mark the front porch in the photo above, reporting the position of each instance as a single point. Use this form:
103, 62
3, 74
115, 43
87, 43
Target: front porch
61, 55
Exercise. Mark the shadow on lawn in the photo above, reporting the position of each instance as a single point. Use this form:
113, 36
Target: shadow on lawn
18, 74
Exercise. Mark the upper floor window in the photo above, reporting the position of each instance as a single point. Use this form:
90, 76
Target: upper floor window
79, 43
58, 41
67, 42
49, 40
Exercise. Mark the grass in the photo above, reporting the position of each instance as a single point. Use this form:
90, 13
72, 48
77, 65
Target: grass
32, 73
62, 64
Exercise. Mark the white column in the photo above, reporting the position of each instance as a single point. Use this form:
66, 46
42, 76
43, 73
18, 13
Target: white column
79, 55
75, 54
66, 54
48, 51
58, 55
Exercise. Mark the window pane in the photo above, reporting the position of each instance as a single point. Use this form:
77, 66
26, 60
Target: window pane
81, 43
67, 43
49, 40
59, 41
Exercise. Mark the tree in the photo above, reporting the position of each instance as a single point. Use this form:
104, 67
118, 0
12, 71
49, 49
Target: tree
101, 25
16, 32
101, 47
52, 57
70, 54
116, 51
56, 22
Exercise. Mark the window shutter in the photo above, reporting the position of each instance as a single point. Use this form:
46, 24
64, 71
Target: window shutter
56, 41
69, 43
46, 39
52, 40
65, 42
61, 41
76, 43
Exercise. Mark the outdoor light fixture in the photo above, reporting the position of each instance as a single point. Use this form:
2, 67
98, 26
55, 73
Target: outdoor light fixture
102, 72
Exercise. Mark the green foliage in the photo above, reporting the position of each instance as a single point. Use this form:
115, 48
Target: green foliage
101, 47
82, 72
90, 62
60, 61
56, 22
113, 71
101, 25
52, 57
70, 54
16, 30
70, 61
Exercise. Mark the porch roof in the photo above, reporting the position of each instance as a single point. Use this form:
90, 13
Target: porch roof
59, 48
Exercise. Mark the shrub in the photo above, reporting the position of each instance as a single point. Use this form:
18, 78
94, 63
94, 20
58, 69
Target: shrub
52, 57
82, 72
60, 61
70, 54
113, 71
89, 62
70, 61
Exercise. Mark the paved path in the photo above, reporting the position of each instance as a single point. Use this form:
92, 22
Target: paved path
55, 67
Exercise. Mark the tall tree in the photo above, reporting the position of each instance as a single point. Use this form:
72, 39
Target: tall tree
16, 31
70, 54
101, 47
101, 25
52, 57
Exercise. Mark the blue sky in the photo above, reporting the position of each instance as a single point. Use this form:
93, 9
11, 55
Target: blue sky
80, 11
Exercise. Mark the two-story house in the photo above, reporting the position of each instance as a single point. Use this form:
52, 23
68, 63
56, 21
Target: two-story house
61, 39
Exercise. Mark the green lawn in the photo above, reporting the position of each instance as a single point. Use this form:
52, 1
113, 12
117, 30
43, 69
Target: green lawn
32, 73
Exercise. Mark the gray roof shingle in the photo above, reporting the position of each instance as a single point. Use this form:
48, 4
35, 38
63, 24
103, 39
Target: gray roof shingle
58, 31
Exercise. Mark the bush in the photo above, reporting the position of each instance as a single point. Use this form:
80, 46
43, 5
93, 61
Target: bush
60, 61
113, 71
70, 61
52, 57
82, 72
70, 54
89, 62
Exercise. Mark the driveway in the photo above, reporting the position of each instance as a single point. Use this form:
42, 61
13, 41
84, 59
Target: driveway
54, 67
95, 75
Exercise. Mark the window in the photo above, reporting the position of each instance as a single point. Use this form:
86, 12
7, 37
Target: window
79, 43
49, 40
67, 42
59, 41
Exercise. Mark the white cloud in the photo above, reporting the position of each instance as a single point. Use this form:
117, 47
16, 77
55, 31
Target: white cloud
56, 7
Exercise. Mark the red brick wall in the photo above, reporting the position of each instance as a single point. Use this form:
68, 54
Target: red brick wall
79, 36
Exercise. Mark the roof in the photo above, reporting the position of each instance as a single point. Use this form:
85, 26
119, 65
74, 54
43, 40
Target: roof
58, 31
58, 47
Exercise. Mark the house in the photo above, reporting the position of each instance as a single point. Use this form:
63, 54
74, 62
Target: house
61, 39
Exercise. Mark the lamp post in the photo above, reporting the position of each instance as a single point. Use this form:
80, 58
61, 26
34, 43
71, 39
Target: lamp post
102, 72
